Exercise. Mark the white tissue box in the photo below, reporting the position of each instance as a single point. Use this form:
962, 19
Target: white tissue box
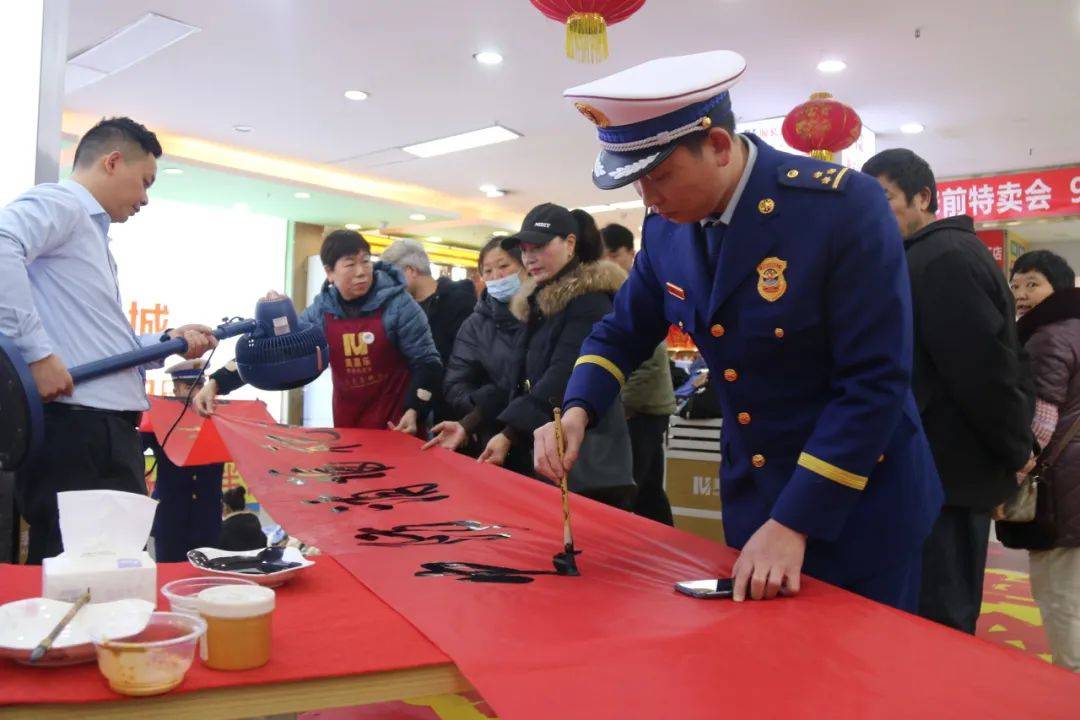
109, 577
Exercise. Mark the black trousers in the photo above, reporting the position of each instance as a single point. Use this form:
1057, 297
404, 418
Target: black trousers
619, 496
954, 563
84, 449
647, 445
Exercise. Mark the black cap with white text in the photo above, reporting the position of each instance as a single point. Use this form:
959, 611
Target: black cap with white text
543, 224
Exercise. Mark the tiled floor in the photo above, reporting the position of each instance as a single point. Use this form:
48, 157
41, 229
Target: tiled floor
467, 706
1009, 613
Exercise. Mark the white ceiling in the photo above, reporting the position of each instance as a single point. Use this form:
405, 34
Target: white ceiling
992, 80
1043, 232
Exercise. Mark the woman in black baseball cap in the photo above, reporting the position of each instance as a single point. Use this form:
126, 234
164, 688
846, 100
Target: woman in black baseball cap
569, 289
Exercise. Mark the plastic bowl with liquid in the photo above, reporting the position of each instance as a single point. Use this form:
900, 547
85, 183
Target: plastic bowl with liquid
154, 661
183, 594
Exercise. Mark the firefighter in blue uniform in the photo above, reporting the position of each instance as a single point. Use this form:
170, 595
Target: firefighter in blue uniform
189, 497
789, 274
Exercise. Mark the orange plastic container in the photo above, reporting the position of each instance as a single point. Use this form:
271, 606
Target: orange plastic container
237, 626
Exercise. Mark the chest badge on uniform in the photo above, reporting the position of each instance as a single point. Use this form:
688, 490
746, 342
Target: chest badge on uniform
771, 282
676, 291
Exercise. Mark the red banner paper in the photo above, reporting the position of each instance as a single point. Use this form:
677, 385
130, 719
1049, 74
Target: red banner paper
427, 532
1041, 193
195, 441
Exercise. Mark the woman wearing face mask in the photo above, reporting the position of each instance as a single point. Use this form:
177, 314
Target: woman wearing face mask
1048, 305
569, 289
482, 368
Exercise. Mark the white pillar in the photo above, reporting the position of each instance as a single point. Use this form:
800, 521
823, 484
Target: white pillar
33, 53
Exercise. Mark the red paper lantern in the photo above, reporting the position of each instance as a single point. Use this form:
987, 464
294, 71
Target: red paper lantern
586, 23
821, 126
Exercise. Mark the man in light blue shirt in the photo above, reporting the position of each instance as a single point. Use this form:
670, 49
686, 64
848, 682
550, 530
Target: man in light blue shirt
60, 304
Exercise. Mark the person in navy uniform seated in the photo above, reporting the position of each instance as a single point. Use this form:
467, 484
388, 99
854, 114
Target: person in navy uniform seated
789, 275
189, 497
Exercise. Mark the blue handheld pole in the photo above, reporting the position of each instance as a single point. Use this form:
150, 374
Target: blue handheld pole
176, 346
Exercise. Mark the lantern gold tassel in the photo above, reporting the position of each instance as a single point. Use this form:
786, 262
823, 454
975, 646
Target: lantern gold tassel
825, 155
586, 37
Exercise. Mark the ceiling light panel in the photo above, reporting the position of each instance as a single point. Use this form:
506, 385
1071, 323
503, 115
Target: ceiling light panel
149, 34
463, 141
488, 57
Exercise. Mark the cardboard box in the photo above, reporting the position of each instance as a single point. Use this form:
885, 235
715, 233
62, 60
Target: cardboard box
692, 482
709, 528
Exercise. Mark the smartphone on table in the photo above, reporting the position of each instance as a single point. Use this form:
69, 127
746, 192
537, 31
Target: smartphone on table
706, 589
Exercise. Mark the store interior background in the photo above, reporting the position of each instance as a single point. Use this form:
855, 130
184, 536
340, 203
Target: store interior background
249, 97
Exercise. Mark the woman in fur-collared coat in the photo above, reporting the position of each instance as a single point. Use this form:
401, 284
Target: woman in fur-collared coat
1048, 303
568, 290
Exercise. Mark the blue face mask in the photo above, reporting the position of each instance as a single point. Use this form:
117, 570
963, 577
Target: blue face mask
504, 288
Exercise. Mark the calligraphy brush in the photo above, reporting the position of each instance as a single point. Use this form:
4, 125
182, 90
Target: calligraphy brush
565, 563
45, 645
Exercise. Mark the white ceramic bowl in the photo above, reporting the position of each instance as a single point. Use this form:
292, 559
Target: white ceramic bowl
25, 623
271, 580
155, 660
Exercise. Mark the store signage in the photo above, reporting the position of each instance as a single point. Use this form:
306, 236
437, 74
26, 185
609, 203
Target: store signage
1042, 193
180, 263
995, 241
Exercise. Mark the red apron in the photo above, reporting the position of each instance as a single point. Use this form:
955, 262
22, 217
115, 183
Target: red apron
370, 376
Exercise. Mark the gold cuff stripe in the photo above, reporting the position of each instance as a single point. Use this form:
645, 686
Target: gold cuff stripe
824, 469
836, 182
604, 363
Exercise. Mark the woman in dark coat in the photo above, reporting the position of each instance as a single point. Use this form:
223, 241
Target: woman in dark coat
482, 369
1049, 307
241, 529
568, 291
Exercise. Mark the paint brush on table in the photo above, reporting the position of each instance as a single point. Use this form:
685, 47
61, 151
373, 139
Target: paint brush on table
45, 645
565, 563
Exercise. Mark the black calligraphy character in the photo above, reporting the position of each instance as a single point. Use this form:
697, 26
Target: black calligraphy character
338, 472
310, 440
385, 498
479, 573
420, 534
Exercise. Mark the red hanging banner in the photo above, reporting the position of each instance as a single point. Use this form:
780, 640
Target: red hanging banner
464, 552
1041, 193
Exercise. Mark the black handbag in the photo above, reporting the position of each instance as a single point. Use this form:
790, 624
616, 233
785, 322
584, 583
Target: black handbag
1026, 520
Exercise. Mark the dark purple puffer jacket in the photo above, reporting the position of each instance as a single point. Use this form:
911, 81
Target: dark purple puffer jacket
1051, 336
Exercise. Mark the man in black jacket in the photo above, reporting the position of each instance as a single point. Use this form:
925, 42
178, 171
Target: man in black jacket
447, 303
971, 383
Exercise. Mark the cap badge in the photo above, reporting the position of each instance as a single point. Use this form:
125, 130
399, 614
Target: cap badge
595, 116
771, 282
